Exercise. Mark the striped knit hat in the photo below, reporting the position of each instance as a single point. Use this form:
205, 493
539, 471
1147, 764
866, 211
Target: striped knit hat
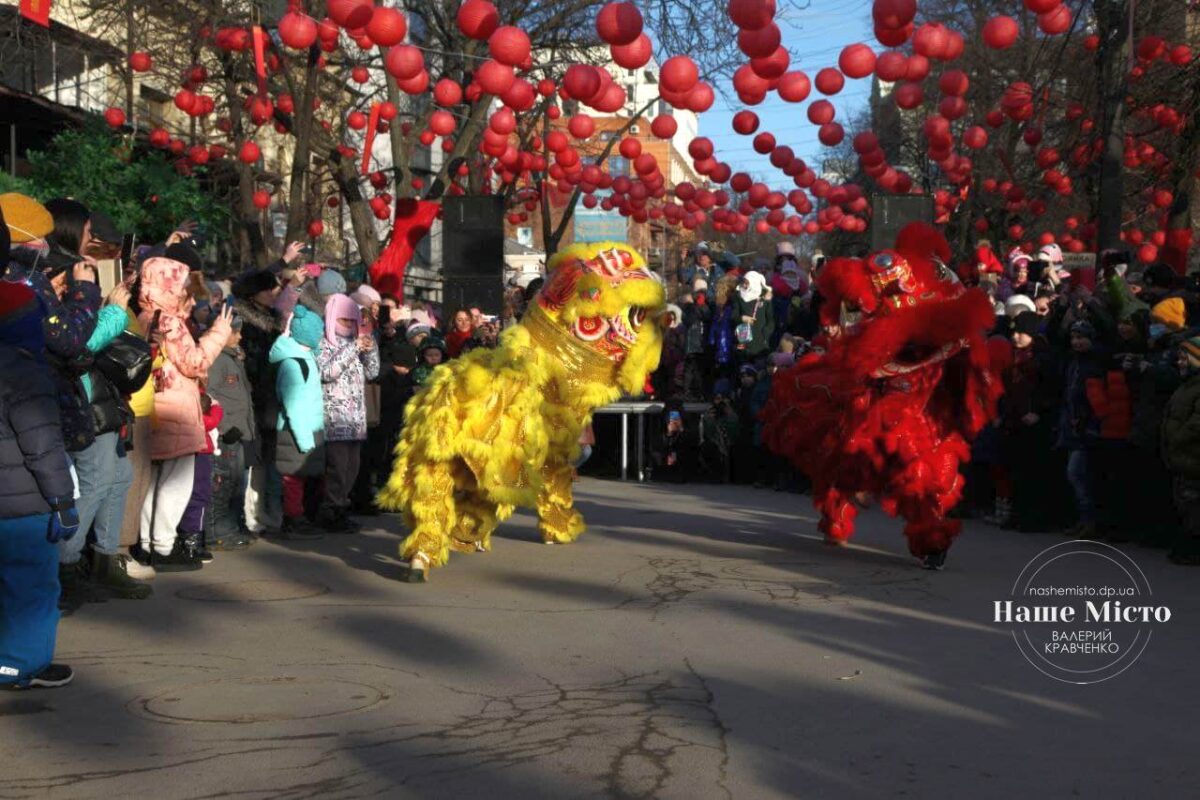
1191, 348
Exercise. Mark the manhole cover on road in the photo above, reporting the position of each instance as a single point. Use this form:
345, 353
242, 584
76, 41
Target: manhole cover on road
252, 591
240, 701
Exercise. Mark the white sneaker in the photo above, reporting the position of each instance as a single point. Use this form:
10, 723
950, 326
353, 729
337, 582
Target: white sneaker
139, 572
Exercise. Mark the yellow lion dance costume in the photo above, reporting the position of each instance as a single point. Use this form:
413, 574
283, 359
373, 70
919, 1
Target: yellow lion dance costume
496, 429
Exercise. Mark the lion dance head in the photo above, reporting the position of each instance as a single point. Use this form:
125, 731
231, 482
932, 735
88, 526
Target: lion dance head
604, 303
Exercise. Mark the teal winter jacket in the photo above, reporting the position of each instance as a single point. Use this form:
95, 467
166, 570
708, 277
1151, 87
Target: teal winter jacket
298, 388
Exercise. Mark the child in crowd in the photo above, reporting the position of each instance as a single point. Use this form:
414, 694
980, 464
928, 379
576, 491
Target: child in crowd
229, 386
300, 427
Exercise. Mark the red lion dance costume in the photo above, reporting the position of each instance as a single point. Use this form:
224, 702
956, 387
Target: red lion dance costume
891, 405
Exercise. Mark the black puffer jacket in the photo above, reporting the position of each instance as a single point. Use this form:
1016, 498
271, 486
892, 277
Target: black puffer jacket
260, 329
33, 463
68, 326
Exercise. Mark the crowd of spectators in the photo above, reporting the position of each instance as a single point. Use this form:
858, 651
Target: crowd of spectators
179, 416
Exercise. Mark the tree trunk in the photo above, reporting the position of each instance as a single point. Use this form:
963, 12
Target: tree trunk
1112, 23
302, 130
248, 216
362, 219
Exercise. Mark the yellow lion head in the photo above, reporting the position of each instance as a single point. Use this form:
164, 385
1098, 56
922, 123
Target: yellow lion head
603, 295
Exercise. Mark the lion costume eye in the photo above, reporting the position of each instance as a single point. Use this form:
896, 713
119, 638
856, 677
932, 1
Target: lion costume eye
589, 329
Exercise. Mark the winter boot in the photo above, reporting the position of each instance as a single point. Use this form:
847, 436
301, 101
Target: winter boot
1001, 517
110, 573
179, 559
297, 529
935, 561
71, 589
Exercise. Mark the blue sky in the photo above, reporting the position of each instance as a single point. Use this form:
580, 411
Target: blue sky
814, 37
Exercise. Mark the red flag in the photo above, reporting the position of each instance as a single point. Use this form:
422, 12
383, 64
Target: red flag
372, 124
36, 11
413, 219
260, 67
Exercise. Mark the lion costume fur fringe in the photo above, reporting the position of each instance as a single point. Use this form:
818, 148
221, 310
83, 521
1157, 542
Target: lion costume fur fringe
499, 428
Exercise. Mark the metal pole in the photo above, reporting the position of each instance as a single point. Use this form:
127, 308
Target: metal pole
624, 445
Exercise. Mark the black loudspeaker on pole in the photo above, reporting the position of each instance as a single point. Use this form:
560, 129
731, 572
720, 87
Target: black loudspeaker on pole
891, 212
473, 253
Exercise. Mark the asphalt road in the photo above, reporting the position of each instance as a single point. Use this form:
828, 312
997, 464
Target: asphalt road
697, 642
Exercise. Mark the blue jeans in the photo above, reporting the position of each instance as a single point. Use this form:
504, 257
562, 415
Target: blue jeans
28, 597
105, 475
1079, 475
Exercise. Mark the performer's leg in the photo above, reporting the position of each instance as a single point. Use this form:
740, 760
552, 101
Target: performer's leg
477, 519
432, 515
558, 520
837, 514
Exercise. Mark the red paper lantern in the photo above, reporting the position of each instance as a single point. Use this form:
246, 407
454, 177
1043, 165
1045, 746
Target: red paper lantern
679, 74
634, 55
315, 228
115, 117
745, 122
975, 137
581, 126
909, 95
664, 126
297, 30
891, 66
893, 13
760, 43
1042, 6
582, 81
442, 123
262, 199
764, 143
829, 81
185, 100
821, 112
893, 37
418, 84
700, 99
356, 120
1055, 21
794, 87
495, 78
831, 134
478, 19
139, 61
773, 66
916, 68
751, 15
700, 148
1147, 254
931, 40
509, 45
249, 153
351, 14
403, 61
619, 23
447, 93
857, 61
954, 82
1001, 32
160, 138
387, 27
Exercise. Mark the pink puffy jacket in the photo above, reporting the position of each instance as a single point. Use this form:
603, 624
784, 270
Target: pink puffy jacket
178, 427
